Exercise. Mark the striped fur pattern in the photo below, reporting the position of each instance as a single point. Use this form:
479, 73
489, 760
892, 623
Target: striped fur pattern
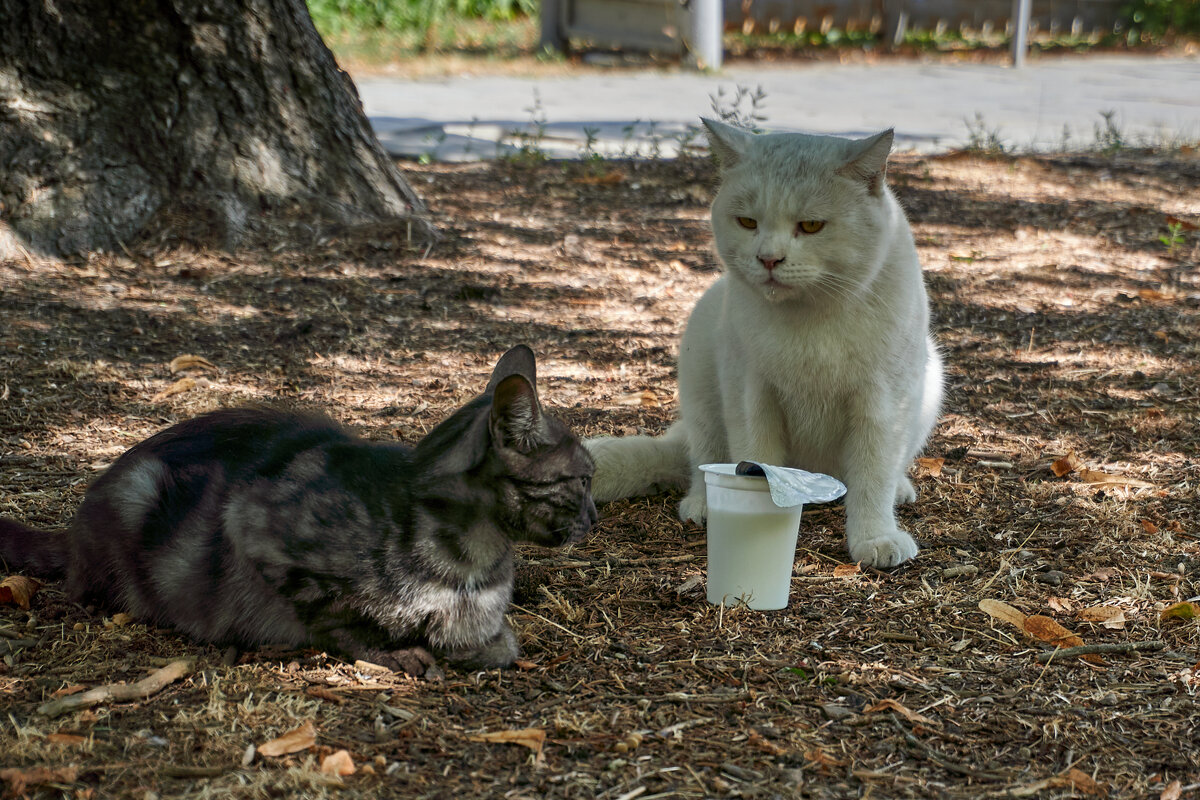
252, 527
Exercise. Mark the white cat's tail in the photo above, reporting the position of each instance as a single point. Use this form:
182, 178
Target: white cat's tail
629, 466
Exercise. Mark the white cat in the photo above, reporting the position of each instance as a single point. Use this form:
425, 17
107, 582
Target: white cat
813, 349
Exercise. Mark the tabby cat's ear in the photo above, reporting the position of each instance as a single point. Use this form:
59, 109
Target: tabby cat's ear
516, 414
727, 142
868, 161
517, 361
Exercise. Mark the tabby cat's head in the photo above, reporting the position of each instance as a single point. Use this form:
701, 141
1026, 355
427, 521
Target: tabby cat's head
540, 471
798, 216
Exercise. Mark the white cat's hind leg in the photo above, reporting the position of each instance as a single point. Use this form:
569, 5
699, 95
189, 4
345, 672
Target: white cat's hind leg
905, 493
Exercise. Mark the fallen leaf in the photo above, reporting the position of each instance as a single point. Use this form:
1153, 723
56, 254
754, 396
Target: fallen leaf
1104, 575
1184, 610
846, 570
610, 178
18, 590
1173, 791
930, 466
755, 739
1108, 616
533, 738
1062, 605
66, 690
121, 619
19, 780
1095, 476
525, 664
1068, 463
293, 741
1154, 295
895, 705
1080, 781
337, 763
178, 387
646, 399
187, 362
1149, 527
65, 738
1003, 612
1042, 627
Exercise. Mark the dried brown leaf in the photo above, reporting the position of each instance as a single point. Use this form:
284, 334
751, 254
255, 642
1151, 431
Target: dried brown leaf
1042, 627
1003, 612
19, 779
188, 362
18, 590
1080, 781
533, 738
610, 178
1172, 791
1149, 527
1067, 464
646, 399
1095, 476
178, 387
293, 741
1108, 616
1184, 610
337, 763
846, 570
1063, 605
121, 619
930, 466
66, 690
65, 738
889, 704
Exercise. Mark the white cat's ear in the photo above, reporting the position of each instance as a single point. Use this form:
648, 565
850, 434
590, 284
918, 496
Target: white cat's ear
868, 162
729, 143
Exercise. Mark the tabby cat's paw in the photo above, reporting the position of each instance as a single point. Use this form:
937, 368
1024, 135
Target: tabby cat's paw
905, 493
694, 507
415, 661
883, 549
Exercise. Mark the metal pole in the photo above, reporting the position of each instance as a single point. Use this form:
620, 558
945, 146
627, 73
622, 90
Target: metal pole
552, 36
1020, 30
708, 22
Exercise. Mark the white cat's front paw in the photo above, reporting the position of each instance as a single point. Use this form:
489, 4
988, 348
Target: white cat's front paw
882, 548
694, 507
905, 493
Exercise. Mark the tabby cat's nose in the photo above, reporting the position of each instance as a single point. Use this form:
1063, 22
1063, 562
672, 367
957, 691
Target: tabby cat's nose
770, 261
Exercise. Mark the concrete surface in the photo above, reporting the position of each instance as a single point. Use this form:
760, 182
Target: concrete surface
933, 107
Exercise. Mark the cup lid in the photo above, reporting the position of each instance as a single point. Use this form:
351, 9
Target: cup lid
789, 487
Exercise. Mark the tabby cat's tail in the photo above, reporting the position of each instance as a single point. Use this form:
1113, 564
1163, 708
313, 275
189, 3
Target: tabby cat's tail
629, 466
26, 549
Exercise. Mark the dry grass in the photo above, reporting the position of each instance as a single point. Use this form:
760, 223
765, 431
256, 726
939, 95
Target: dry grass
1067, 326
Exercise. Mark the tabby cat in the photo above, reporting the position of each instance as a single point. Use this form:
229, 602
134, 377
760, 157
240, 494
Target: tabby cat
250, 527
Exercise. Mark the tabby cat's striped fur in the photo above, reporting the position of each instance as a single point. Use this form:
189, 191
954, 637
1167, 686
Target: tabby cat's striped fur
252, 527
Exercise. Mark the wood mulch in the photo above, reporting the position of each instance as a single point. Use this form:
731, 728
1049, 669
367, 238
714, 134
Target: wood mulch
1068, 327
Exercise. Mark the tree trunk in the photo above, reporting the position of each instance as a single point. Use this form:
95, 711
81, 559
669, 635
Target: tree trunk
113, 112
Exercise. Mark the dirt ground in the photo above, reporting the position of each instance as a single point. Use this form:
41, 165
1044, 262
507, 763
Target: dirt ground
1068, 327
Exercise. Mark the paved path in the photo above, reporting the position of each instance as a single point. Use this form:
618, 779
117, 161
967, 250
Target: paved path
930, 105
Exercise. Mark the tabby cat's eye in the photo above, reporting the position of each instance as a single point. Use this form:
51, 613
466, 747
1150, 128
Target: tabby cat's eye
810, 225
749, 223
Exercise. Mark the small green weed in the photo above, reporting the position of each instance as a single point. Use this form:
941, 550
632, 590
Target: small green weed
1109, 136
984, 140
1173, 239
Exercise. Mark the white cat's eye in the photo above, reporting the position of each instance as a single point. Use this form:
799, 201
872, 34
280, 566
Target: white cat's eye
809, 225
749, 223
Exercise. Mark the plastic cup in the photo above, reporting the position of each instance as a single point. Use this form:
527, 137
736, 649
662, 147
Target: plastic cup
751, 542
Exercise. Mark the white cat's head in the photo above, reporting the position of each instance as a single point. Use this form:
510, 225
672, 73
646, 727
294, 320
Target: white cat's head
800, 217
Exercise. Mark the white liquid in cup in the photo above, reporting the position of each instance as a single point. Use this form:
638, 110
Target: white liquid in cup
751, 543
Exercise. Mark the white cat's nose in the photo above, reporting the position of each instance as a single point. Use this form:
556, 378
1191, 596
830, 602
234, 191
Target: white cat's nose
770, 262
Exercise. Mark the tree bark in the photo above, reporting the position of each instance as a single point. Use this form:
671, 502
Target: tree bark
114, 112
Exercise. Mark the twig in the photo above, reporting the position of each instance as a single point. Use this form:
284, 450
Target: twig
942, 760
1109, 647
147, 686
